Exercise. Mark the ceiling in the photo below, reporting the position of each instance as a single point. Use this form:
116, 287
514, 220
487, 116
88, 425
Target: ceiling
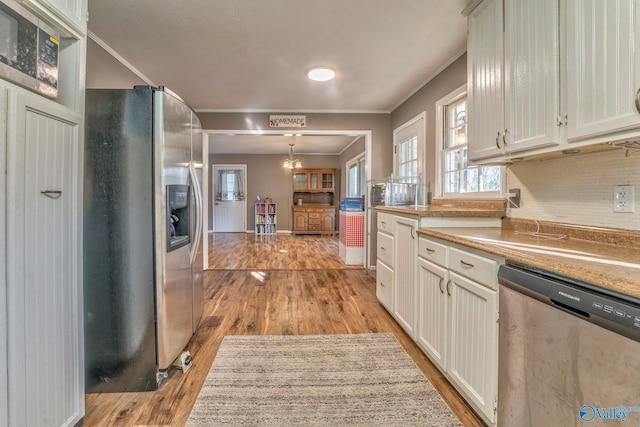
251, 55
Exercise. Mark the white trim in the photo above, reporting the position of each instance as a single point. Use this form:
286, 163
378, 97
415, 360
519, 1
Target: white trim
119, 58
243, 167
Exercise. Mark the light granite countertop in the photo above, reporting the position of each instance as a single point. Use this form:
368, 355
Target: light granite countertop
609, 266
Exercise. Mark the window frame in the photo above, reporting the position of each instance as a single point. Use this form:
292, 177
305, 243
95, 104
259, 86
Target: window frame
441, 128
416, 126
360, 163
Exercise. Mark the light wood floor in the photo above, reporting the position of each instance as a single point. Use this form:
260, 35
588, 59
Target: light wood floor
296, 294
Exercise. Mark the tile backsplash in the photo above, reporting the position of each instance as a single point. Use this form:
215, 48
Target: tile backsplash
576, 189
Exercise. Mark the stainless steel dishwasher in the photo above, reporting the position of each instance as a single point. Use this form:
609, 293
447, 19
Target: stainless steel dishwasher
569, 352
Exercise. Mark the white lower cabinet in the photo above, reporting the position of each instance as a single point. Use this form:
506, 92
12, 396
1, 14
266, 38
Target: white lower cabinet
405, 292
457, 319
384, 285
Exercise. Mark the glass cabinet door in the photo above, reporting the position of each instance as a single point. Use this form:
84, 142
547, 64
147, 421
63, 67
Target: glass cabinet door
327, 180
313, 180
300, 180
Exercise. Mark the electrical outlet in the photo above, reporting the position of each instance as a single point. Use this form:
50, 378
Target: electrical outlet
624, 198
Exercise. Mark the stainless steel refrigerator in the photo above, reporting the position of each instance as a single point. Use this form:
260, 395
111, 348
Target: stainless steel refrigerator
142, 235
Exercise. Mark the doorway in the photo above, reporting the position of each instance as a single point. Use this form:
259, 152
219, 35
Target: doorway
229, 201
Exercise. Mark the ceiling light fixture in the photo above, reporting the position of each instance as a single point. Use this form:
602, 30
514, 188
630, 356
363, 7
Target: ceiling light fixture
321, 73
291, 163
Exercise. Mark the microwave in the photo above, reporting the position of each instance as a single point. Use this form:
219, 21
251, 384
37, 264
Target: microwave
28, 50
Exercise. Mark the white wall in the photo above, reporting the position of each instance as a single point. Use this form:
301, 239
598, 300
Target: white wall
577, 189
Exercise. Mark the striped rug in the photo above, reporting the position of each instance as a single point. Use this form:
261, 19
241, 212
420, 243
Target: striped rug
317, 380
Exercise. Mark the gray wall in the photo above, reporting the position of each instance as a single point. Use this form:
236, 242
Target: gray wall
452, 77
105, 72
267, 178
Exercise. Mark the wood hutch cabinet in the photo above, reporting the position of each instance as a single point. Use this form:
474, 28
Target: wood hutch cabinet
316, 215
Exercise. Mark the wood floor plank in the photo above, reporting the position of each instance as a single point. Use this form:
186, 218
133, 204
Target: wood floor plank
267, 299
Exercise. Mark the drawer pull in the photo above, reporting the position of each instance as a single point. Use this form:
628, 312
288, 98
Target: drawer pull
440, 285
382, 284
429, 250
448, 290
466, 264
52, 194
412, 236
498, 141
383, 249
384, 224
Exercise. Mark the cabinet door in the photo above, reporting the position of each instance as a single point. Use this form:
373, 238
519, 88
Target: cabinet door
328, 221
44, 263
432, 311
485, 81
313, 182
603, 38
405, 290
328, 179
300, 221
473, 345
299, 180
532, 74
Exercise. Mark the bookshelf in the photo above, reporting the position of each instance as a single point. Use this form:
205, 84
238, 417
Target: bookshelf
266, 215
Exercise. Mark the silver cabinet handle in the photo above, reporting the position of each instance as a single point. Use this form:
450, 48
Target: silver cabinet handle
440, 285
638, 100
429, 250
466, 264
498, 141
382, 284
383, 249
383, 223
448, 284
52, 194
412, 235
504, 138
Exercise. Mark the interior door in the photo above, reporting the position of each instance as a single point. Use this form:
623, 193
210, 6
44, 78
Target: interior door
229, 205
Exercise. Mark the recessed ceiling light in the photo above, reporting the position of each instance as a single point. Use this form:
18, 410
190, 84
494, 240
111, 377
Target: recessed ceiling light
321, 73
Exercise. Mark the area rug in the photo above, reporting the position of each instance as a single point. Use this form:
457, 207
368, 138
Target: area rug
317, 380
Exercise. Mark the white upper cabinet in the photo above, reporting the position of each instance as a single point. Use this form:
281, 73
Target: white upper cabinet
72, 13
532, 74
485, 80
603, 67
513, 77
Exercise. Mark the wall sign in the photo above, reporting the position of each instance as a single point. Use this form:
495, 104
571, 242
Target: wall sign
287, 121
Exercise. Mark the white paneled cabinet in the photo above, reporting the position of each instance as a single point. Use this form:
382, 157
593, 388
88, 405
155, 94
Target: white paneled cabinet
457, 319
549, 75
485, 80
473, 346
431, 333
603, 67
385, 280
513, 77
44, 273
405, 292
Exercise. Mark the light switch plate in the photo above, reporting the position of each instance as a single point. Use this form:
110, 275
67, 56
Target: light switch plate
624, 198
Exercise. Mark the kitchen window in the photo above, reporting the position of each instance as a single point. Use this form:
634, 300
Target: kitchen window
458, 177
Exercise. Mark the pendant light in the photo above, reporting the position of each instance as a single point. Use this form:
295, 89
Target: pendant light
291, 163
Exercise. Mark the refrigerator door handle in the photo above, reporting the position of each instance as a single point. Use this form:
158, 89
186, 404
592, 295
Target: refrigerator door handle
198, 193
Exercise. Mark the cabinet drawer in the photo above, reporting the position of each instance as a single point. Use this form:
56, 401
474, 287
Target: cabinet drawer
314, 215
385, 223
314, 227
384, 285
480, 269
432, 251
314, 221
385, 249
